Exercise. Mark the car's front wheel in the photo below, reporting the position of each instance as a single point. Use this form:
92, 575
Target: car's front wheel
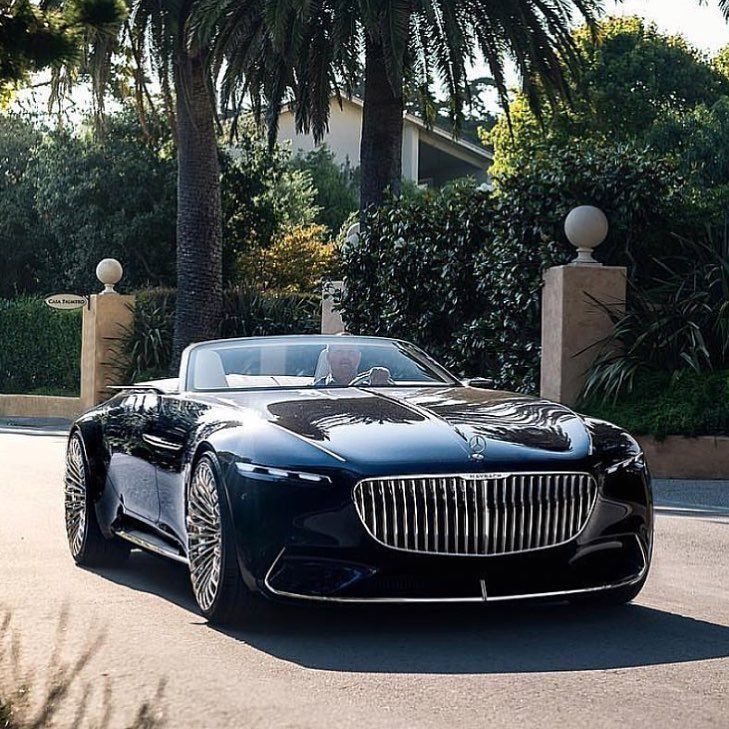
217, 585
88, 546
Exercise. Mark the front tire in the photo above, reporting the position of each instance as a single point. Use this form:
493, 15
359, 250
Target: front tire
217, 584
89, 547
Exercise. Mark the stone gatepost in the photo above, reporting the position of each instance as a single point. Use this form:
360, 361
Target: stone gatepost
571, 320
104, 321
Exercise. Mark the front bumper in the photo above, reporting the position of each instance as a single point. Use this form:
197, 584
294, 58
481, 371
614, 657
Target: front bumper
308, 543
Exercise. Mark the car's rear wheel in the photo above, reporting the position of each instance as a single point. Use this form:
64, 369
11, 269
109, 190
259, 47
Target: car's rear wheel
217, 585
88, 545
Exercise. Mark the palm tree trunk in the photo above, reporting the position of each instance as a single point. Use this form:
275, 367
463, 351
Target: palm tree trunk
381, 146
199, 226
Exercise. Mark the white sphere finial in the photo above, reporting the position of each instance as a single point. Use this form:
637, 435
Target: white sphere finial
109, 272
586, 227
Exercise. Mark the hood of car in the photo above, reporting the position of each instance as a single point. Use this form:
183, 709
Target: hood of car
424, 426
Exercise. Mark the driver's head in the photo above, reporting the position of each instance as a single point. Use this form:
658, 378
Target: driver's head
343, 361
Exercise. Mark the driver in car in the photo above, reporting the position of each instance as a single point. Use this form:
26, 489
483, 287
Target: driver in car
343, 360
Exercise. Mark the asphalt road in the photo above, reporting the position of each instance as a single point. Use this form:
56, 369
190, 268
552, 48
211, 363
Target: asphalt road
663, 661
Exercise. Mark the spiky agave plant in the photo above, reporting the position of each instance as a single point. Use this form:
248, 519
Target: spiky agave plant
677, 321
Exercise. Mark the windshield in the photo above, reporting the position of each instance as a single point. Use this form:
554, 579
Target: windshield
311, 362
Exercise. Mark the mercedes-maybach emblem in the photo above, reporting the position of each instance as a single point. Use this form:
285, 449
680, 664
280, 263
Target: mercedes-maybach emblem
477, 445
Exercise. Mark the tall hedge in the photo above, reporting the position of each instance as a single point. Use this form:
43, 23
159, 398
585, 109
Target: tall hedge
459, 271
40, 350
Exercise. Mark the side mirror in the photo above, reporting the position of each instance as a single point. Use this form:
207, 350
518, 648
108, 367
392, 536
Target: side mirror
483, 383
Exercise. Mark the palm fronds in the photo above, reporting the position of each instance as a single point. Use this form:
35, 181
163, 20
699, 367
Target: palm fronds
306, 52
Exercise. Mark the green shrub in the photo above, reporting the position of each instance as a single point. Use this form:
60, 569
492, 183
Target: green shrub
41, 348
459, 270
412, 273
146, 348
660, 404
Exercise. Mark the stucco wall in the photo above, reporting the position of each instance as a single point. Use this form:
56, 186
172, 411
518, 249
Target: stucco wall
343, 137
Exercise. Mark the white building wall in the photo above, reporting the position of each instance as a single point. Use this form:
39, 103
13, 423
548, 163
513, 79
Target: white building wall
342, 139
410, 147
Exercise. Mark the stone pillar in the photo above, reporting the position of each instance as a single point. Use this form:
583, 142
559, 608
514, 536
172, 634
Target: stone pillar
331, 320
104, 321
572, 321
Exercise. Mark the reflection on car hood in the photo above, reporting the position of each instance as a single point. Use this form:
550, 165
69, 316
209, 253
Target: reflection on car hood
424, 425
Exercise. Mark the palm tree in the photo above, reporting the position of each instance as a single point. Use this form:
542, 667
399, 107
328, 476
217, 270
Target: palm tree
275, 48
156, 35
160, 29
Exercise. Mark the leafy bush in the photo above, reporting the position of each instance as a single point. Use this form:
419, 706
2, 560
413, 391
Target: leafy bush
297, 260
632, 74
662, 404
146, 347
41, 348
337, 186
459, 270
412, 273
115, 198
23, 238
262, 196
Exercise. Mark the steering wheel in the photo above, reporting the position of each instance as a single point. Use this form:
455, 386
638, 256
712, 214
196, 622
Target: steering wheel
374, 377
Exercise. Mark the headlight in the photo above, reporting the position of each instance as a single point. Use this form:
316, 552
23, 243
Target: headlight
248, 469
634, 460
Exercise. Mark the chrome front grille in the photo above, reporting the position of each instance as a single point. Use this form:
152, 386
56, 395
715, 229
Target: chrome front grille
476, 514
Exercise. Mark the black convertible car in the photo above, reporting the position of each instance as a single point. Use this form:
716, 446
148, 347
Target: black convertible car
356, 469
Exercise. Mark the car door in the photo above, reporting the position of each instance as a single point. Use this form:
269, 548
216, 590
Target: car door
131, 464
169, 436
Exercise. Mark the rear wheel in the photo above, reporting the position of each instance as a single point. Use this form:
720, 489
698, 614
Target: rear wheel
88, 545
217, 585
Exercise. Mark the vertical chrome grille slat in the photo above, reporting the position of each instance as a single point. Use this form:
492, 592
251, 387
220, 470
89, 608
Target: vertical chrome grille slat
474, 514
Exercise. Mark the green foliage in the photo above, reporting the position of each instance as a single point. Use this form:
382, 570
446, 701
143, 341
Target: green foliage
412, 275
297, 260
317, 48
30, 39
111, 199
678, 321
631, 75
698, 140
661, 404
337, 186
460, 270
262, 196
41, 348
69, 199
23, 235
146, 347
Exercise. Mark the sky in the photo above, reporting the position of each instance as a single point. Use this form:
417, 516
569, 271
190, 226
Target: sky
703, 26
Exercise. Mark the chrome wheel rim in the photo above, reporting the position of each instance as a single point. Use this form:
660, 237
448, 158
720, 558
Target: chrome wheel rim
204, 535
75, 496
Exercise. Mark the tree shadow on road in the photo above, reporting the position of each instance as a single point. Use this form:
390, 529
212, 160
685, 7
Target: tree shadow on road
467, 639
